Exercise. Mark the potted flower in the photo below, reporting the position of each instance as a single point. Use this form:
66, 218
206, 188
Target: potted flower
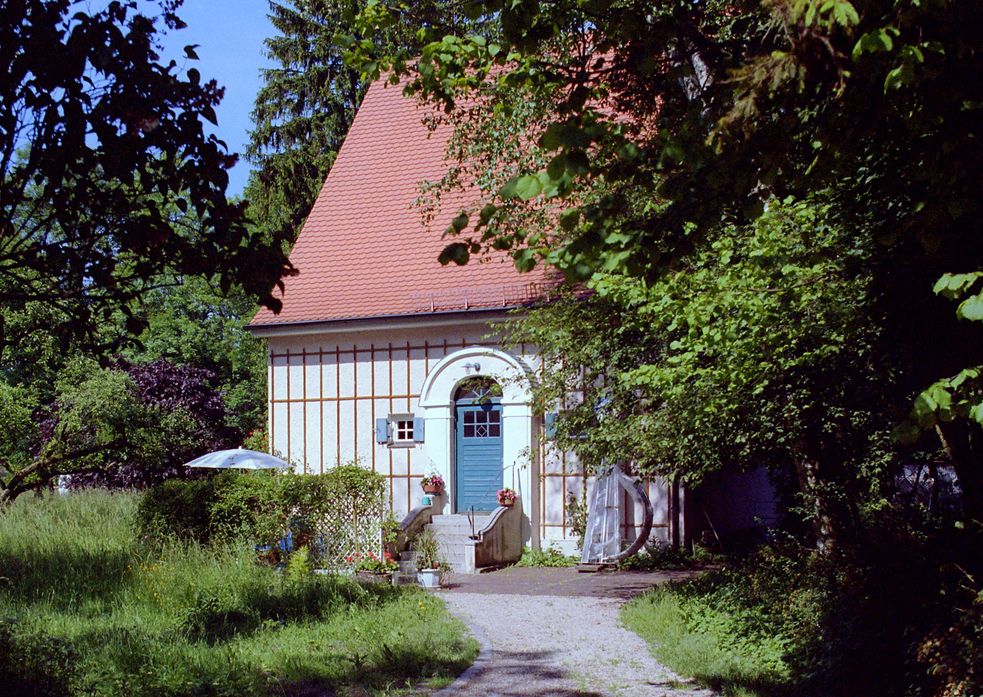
373, 568
430, 568
506, 497
432, 483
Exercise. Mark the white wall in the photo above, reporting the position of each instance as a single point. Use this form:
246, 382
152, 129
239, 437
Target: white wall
326, 390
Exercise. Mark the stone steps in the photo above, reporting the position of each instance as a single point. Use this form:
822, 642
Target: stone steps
453, 533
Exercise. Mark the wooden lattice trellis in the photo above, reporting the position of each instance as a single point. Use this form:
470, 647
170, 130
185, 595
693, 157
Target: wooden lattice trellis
348, 528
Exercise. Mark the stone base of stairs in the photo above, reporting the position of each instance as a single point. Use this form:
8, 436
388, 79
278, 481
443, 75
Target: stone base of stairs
468, 545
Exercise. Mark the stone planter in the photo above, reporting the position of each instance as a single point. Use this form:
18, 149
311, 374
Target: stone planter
429, 578
373, 577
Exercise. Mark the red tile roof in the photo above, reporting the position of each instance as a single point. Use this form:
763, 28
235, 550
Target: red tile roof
364, 250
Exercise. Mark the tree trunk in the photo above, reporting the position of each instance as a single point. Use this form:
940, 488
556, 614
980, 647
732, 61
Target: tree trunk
814, 491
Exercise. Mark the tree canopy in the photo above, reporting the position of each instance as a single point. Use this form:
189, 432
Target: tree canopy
117, 236
109, 182
664, 125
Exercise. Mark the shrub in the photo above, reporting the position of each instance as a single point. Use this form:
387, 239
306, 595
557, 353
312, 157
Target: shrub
333, 515
952, 653
178, 508
257, 440
34, 665
895, 611
549, 557
657, 557
299, 566
191, 417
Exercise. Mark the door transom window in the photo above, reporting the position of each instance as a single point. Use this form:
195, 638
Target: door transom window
483, 424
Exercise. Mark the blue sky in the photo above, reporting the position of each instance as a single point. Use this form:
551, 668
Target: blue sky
230, 36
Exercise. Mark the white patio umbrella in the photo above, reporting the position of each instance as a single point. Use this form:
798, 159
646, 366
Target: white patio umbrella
239, 458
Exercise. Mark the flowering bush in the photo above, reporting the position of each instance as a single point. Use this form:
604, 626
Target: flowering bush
257, 440
506, 495
373, 563
432, 478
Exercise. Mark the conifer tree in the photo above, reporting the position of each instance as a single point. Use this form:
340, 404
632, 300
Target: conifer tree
309, 99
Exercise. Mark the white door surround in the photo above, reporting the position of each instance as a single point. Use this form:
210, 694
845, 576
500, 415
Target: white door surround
437, 403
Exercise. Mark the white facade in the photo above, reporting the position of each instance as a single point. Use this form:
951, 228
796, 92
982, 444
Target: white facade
330, 382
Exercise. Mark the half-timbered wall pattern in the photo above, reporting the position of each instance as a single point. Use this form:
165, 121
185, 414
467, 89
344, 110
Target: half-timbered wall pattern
326, 392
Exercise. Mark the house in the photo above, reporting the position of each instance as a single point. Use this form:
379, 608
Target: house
383, 356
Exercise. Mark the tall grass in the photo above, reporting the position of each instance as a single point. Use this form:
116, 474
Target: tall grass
108, 615
695, 639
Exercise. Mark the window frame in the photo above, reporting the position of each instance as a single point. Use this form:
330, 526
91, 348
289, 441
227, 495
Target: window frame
394, 430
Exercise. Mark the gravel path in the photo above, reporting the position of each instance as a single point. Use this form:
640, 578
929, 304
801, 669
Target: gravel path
557, 646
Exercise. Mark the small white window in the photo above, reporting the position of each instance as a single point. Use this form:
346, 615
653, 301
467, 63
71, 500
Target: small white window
399, 430
402, 430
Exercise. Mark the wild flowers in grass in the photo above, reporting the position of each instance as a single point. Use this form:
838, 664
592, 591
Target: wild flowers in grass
99, 613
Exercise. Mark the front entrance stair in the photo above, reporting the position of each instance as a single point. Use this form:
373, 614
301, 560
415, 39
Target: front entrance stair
493, 540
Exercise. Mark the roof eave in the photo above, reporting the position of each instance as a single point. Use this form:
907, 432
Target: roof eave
395, 321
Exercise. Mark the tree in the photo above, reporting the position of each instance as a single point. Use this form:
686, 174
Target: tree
194, 324
127, 426
190, 417
668, 119
96, 419
760, 351
107, 177
308, 102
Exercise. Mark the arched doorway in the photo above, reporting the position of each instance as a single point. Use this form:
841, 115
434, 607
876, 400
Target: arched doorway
519, 469
479, 440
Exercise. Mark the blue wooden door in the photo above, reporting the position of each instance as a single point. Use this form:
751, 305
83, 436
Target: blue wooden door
479, 456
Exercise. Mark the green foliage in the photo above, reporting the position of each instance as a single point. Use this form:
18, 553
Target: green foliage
110, 191
124, 426
328, 514
658, 557
760, 350
299, 565
308, 100
35, 665
263, 506
659, 128
100, 421
551, 557
375, 564
427, 549
715, 652
177, 509
953, 653
577, 516
98, 613
195, 324
258, 440
18, 406
893, 614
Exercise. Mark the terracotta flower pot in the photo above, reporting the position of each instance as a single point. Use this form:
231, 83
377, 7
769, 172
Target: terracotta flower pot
508, 503
431, 489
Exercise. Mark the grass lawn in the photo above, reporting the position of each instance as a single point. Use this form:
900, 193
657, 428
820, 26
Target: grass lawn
697, 636
85, 608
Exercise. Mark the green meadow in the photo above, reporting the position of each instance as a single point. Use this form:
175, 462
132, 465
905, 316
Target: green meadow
86, 607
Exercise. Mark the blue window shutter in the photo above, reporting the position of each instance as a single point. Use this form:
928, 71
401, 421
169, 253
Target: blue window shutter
418, 429
549, 424
382, 430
